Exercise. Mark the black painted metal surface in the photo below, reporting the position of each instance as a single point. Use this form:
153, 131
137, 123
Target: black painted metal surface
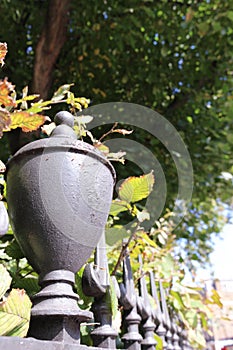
148, 325
59, 195
128, 299
158, 315
96, 283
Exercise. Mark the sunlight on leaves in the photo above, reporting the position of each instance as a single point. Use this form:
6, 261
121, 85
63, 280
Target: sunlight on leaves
118, 206
134, 189
15, 314
27, 121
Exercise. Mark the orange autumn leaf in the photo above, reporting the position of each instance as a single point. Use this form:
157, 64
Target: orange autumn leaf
5, 120
27, 121
3, 52
6, 88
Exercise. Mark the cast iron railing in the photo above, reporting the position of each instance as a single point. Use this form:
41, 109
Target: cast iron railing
141, 319
58, 239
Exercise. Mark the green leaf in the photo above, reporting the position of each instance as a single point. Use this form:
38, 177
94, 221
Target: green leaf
27, 98
39, 106
14, 250
135, 188
84, 301
5, 280
29, 284
230, 15
177, 300
204, 320
203, 28
118, 206
15, 314
115, 234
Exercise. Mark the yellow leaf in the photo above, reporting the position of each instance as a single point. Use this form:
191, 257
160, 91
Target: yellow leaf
27, 121
135, 189
216, 298
118, 206
15, 314
147, 239
83, 101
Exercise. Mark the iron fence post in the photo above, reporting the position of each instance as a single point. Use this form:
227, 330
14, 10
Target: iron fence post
158, 315
96, 283
167, 321
148, 326
132, 338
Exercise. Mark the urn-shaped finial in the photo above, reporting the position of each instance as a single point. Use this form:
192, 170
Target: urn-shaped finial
59, 193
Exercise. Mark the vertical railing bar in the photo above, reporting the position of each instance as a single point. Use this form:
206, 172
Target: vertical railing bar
148, 326
96, 283
167, 323
132, 338
159, 317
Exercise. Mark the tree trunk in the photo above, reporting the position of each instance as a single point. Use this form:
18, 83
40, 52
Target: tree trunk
50, 43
